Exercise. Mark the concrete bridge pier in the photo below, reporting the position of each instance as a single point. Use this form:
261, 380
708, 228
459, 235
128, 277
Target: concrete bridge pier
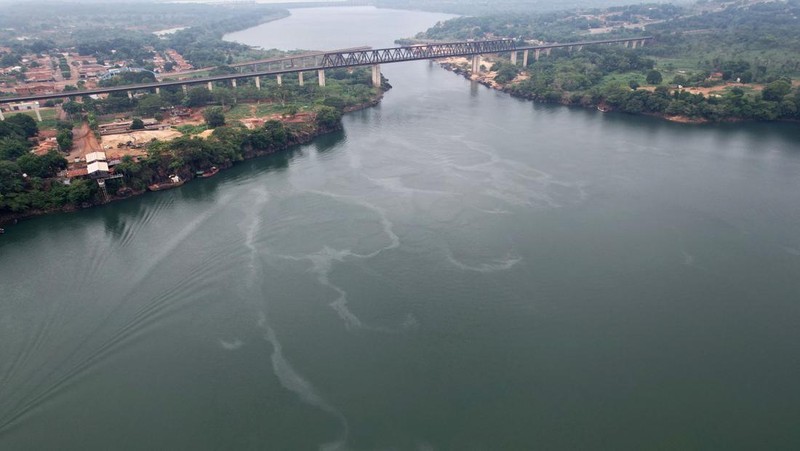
300, 79
210, 86
476, 64
321, 77
280, 80
548, 51
580, 47
185, 89
158, 91
38, 113
2, 118
376, 76
233, 83
641, 43
130, 95
634, 43
627, 44
514, 57
258, 83
536, 54
525, 58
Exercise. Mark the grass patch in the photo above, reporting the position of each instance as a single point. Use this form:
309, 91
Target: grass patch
239, 111
265, 109
188, 130
624, 79
49, 117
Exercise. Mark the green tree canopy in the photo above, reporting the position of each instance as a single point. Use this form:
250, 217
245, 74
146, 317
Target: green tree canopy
214, 117
654, 77
26, 123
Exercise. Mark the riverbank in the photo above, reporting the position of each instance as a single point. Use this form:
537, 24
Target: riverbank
685, 105
488, 79
306, 128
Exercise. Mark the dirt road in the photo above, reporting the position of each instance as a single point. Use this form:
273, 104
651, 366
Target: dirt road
84, 142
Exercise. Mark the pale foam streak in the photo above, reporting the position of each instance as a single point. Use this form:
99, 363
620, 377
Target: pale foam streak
395, 185
322, 262
688, 259
262, 197
287, 376
231, 345
291, 380
510, 181
387, 225
504, 264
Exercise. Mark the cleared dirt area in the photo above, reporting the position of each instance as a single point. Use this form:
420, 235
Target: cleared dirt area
719, 90
110, 142
486, 77
84, 142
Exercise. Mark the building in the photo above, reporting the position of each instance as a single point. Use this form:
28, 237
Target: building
22, 106
96, 165
91, 71
97, 169
26, 90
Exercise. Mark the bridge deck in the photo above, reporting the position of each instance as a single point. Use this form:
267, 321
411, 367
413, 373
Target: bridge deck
340, 59
291, 59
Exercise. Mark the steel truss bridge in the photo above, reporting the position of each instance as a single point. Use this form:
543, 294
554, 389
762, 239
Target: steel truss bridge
360, 56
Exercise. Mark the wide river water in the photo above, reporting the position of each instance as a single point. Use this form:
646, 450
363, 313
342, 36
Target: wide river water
457, 269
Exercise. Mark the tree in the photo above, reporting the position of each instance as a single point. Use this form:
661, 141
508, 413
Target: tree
679, 80
79, 191
72, 107
328, 117
26, 123
64, 140
10, 177
214, 117
654, 77
198, 97
776, 90
11, 149
150, 105
137, 124
224, 96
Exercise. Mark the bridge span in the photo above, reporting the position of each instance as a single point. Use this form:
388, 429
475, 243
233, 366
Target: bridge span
356, 57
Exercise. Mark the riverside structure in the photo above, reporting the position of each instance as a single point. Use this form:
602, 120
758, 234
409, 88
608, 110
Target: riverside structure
354, 57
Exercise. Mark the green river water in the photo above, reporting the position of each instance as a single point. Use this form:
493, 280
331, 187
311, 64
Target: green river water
457, 269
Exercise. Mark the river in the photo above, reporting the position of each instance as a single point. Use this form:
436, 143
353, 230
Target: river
457, 269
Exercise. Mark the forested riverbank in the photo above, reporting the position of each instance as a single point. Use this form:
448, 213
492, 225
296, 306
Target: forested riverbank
710, 62
32, 185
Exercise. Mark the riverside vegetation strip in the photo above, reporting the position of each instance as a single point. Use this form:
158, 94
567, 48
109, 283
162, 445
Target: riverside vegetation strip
30, 185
